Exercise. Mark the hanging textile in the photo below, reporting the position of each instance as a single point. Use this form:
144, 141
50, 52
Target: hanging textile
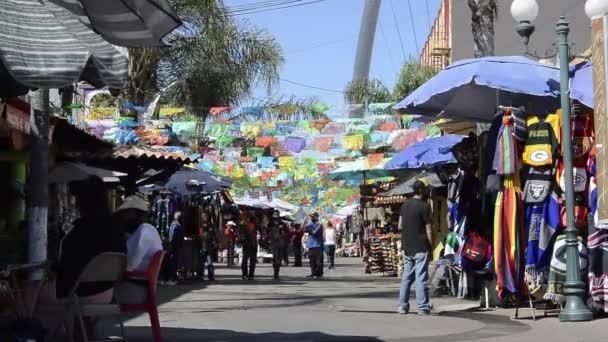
598, 269
505, 157
265, 141
557, 271
542, 220
374, 159
323, 144
287, 163
353, 142
294, 144
508, 236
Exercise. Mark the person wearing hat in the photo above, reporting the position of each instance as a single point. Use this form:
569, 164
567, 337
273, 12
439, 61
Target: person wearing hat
314, 243
230, 232
277, 231
415, 223
142, 243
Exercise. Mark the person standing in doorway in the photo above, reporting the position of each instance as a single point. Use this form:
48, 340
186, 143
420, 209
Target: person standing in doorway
315, 247
330, 244
297, 235
276, 231
415, 222
249, 243
175, 241
231, 233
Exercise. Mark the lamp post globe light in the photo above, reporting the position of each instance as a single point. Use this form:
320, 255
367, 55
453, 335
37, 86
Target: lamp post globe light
525, 11
596, 8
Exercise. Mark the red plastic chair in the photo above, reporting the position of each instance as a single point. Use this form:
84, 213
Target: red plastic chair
151, 275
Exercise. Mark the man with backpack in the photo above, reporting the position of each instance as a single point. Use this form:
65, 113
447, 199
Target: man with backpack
415, 223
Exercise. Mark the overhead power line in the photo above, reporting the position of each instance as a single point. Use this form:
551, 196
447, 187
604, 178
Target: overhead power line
245, 12
428, 16
409, 5
260, 5
311, 86
398, 31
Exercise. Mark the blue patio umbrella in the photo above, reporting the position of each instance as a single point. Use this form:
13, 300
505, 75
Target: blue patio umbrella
472, 89
427, 153
581, 83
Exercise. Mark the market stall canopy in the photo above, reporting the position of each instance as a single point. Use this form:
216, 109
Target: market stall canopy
472, 89
43, 45
346, 211
130, 23
581, 83
405, 188
358, 170
66, 172
188, 181
284, 208
427, 153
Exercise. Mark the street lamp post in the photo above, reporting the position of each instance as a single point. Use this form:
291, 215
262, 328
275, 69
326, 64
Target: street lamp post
525, 11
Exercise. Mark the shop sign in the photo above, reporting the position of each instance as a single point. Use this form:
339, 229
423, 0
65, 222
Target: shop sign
17, 118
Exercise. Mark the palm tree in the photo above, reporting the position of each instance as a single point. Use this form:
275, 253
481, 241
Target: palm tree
218, 66
366, 91
483, 14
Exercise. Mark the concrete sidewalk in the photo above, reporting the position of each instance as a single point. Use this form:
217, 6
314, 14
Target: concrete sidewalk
346, 305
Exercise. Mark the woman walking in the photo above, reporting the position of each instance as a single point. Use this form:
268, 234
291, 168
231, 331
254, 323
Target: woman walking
330, 244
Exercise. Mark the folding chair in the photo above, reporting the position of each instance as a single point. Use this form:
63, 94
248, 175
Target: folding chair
106, 267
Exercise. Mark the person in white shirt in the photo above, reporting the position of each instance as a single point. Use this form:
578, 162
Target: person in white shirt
142, 243
330, 244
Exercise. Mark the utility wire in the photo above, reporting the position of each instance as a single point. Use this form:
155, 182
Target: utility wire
409, 5
387, 45
260, 5
311, 86
398, 31
428, 16
321, 44
275, 8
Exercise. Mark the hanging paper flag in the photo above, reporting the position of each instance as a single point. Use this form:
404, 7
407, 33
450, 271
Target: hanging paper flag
323, 144
212, 156
287, 163
254, 151
388, 126
294, 144
250, 130
215, 111
374, 159
378, 139
266, 162
353, 142
334, 128
265, 141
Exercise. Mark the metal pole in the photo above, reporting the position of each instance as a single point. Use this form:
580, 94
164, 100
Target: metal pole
365, 45
38, 196
574, 287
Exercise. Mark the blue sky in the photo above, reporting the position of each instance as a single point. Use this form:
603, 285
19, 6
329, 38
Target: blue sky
319, 41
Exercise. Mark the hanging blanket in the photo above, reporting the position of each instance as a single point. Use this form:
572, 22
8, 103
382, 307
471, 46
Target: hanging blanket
509, 239
598, 250
557, 272
542, 221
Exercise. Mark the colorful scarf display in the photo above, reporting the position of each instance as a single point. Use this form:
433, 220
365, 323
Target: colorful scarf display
509, 239
505, 157
541, 221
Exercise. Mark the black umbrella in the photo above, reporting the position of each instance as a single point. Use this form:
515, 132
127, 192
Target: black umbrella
196, 181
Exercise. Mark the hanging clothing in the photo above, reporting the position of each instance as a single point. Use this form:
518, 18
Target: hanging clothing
162, 216
557, 272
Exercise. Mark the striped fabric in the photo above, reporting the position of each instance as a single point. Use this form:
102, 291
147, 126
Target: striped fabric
130, 23
44, 46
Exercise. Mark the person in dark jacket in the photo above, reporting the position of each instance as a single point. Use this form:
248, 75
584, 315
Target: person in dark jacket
209, 245
277, 232
95, 232
248, 236
175, 241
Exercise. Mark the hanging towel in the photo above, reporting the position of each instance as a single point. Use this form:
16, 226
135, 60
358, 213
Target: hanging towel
557, 271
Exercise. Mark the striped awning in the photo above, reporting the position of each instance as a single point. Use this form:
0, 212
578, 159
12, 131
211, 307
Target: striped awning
130, 23
43, 45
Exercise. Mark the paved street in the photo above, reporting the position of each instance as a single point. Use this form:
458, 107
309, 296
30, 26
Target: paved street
345, 306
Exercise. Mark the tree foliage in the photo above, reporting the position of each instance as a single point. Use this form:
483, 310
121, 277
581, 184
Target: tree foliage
367, 91
220, 65
412, 75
